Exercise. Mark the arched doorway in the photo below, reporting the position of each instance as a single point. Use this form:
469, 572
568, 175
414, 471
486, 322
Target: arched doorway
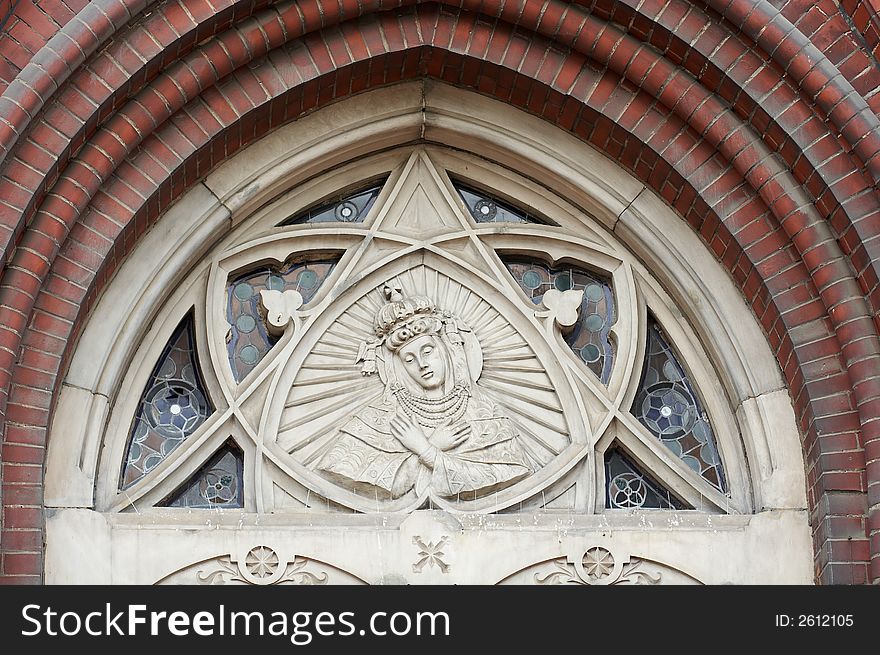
230, 411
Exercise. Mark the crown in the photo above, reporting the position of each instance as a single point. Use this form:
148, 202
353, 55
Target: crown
401, 318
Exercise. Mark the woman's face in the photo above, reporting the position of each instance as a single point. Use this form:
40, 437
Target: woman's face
423, 360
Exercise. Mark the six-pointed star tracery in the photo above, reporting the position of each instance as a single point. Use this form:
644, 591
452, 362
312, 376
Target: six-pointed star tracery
420, 236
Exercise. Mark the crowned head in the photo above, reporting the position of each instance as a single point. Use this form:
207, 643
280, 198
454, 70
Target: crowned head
402, 319
424, 345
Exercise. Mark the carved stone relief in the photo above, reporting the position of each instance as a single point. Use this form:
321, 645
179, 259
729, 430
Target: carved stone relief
434, 413
423, 371
432, 431
402, 364
430, 554
427, 382
261, 565
599, 566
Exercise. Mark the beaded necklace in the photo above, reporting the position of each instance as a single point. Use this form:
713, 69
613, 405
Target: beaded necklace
431, 412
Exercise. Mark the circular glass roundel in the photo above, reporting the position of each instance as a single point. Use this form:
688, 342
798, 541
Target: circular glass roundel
628, 490
346, 211
532, 279
249, 355
594, 322
246, 323
243, 291
174, 408
668, 412
308, 279
590, 353
594, 292
563, 282
485, 209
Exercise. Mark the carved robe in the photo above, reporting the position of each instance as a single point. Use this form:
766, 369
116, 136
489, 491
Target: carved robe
365, 452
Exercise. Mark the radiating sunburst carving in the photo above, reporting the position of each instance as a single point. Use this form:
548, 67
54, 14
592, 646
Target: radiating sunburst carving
330, 385
261, 562
598, 563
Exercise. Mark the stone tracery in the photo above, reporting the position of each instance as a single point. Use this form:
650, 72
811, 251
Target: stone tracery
742, 51
417, 389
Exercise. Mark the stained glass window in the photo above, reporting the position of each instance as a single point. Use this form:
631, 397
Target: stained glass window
489, 209
218, 484
628, 487
249, 340
173, 405
352, 208
589, 338
544, 401
667, 405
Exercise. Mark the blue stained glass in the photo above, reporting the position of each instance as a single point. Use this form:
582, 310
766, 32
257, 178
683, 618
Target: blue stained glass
667, 405
351, 208
172, 407
589, 338
485, 208
218, 484
249, 341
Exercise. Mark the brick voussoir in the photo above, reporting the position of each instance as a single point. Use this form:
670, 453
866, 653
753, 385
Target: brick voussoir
695, 136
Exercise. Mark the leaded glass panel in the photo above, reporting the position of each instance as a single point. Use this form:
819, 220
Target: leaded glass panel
628, 487
590, 338
173, 405
248, 340
488, 209
352, 208
218, 484
668, 406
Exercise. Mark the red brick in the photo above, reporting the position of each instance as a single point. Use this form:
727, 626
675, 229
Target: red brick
24, 434
22, 564
23, 473
23, 494
27, 518
22, 540
21, 580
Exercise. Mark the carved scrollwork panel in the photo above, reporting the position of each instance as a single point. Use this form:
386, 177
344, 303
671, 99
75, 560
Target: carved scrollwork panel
261, 565
599, 566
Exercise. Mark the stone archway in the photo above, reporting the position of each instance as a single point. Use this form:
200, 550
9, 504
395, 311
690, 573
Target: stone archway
770, 157
286, 411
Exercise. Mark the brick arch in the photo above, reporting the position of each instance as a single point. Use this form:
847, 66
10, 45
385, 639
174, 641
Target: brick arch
765, 179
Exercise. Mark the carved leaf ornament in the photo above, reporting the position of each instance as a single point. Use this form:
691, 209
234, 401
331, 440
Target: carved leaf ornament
280, 307
564, 306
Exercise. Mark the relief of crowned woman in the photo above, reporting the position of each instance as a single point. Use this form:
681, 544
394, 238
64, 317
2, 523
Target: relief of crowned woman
432, 430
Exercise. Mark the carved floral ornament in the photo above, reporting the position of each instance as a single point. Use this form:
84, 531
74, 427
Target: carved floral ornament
599, 565
593, 565
260, 566
433, 347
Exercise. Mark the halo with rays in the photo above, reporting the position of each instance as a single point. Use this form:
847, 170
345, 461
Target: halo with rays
329, 386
